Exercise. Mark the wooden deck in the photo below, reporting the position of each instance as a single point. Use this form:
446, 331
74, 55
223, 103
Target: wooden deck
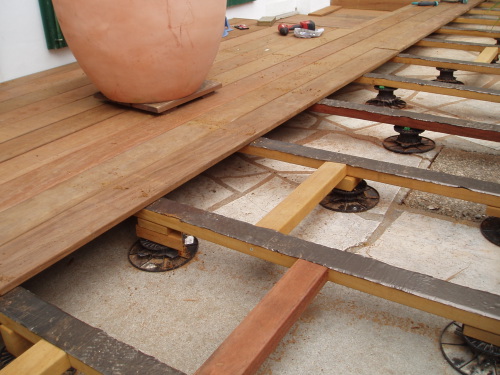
73, 166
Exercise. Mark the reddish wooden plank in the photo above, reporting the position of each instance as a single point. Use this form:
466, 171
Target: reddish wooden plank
257, 336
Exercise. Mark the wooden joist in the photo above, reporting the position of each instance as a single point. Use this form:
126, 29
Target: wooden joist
42, 358
450, 44
260, 332
485, 12
482, 66
410, 119
488, 55
290, 212
476, 21
469, 32
442, 88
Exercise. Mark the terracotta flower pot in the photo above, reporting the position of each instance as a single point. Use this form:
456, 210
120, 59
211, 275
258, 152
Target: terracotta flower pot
138, 51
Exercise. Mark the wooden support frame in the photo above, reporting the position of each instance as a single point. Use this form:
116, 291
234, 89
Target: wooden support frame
483, 67
476, 21
488, 55
487, 193
42, 358
453, 30
246, 348
464, 46
461, 91
284, 250
440, 124
472, 307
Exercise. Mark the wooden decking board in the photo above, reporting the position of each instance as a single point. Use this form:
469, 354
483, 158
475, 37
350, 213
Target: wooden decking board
157, 156
47, 118
248, 346
83, 156
317, 48
234, 111
21, 81
44, 105
36, 139
44, 87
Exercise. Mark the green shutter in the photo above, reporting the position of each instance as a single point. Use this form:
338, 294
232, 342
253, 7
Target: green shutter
236, 2
53, 33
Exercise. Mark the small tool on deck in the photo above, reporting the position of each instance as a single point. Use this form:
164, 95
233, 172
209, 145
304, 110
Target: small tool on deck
425, 3
455, 1
308, 25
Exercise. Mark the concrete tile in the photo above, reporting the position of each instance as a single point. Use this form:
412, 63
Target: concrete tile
201, 192
359, 147
347, 122
234, 166
302, 120
439, 248
344, 331
280, 166
256, 204
291, 135
476, 110
334, 229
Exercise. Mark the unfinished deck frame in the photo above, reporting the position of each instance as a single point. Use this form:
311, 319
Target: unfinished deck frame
311, 265
58, 126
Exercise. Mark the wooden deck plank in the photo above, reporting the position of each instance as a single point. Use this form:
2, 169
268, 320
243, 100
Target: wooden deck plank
44, 87
130, 169
38, 107
275, 72
260, 332
47, 118
25, 144
339, 71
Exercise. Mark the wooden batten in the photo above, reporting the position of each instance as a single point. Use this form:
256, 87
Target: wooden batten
288, 214
247, 347
488, 55
42, 358
14, 343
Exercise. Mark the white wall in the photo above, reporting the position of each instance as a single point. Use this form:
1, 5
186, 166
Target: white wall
23, 48
260, 8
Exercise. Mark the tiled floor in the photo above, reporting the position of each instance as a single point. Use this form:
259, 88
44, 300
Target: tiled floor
182, 316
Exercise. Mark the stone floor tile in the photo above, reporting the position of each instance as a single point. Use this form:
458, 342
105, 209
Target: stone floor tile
335, 229
347, 122
359, 147
439, 248
201, 192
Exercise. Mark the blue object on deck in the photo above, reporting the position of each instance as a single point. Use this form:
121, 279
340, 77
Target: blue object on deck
227, 28
425, 3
